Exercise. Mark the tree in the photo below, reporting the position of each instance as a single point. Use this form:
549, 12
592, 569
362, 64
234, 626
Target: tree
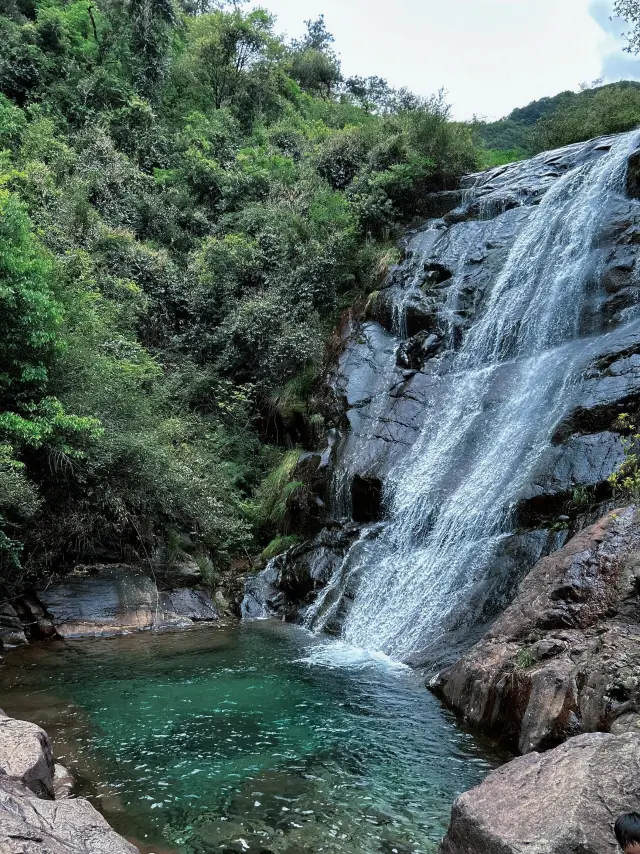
151, 23
317, 37
629, 10
315, 65
225, 47
373, 94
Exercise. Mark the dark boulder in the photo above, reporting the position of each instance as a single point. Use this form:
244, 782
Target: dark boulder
633, 176
291, 580
412, 354
11, 630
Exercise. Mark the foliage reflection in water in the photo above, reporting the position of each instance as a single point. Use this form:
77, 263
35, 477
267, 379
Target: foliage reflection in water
248, 738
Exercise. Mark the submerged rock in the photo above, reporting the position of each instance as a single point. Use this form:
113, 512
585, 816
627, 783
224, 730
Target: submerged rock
564, 657
561, 802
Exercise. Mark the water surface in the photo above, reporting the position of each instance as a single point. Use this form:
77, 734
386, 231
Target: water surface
249, 738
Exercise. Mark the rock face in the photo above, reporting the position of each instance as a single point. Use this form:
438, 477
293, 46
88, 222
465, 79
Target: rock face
561, 802
564, 658
292, 579
187, 604
31, 821
119, 599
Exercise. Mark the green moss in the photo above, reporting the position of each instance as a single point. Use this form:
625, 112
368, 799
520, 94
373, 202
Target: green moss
278, 545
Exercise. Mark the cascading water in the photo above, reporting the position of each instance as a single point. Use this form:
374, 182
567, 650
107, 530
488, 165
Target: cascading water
450, 499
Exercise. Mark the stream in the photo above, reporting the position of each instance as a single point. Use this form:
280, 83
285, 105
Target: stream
256, 737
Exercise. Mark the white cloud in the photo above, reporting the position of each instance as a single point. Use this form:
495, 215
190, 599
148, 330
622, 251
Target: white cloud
490, 55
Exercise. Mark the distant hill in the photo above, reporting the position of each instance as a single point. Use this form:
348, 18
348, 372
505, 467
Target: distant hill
563, 117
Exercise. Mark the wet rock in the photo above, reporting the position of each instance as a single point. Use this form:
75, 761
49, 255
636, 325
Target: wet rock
420, 315
561, 802
633, 176
104, 601
11, 631
564, 657
26, 756
611, 385
187, 605
582, 462
29, 825
514, 557
415, 352
34, 617
291, 580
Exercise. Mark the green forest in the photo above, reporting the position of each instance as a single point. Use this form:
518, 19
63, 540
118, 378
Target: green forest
188, 202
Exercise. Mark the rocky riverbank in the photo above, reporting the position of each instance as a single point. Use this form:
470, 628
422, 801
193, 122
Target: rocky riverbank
108, 600
558, 671
37, 816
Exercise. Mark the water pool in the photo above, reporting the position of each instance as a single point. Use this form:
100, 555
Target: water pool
248, 738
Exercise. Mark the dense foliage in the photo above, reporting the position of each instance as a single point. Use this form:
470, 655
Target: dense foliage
186, 203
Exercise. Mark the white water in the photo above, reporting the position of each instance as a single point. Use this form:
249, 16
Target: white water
450, 498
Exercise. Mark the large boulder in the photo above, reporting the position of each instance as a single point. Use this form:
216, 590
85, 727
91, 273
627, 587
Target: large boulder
29, 825
117, 599
26, 756
292, 579
188, 605
561, 802
564, 657
108, 600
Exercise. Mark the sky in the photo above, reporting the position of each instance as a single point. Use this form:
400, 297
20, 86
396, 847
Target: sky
489, 55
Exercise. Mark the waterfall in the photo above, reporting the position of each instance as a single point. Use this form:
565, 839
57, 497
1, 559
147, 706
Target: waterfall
450, 500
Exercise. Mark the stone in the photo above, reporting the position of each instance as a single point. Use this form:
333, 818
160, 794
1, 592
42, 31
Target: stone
105, 601
564, 801
63, 783
415, 352
11, 630
29, 825
564, 657
291, 580
34, 617
187, 604
26, 756
633, 176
